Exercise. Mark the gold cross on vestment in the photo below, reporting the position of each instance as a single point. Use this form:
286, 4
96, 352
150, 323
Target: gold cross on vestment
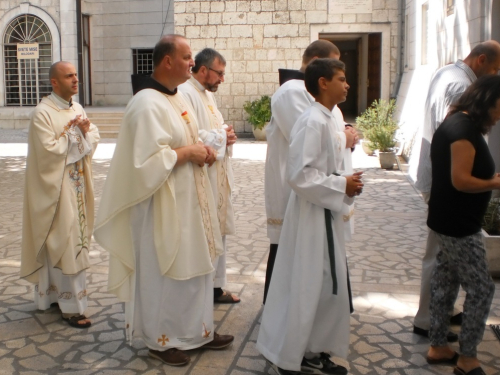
163, 340
207, 333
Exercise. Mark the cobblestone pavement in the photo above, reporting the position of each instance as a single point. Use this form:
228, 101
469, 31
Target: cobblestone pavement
384, 261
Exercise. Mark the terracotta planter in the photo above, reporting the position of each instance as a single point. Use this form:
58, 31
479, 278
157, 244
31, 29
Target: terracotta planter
260, 134
387, 159
492, 245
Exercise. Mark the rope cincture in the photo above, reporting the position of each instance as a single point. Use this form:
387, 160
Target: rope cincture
331, 245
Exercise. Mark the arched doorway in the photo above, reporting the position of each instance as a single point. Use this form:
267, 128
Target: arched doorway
27, 80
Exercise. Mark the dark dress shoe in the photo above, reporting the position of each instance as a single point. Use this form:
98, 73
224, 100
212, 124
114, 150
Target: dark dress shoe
172, 357
457, 319
219, 342
451, 336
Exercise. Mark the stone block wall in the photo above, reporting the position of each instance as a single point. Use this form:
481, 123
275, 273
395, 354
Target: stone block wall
257, 37
117, 27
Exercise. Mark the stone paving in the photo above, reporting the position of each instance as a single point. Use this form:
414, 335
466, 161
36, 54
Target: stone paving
384, 260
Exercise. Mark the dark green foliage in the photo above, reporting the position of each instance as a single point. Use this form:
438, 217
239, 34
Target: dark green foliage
259, 111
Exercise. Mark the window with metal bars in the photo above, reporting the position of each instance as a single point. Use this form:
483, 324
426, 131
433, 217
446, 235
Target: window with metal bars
143, 61
27, 80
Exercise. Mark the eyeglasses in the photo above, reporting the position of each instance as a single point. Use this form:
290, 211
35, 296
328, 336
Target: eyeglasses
219, 73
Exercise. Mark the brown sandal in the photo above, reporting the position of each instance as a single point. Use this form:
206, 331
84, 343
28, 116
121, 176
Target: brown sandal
73, 321
226, 297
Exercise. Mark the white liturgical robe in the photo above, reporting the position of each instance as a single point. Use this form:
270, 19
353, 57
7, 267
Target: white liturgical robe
212, 133
159, 222
301, 314
287, 104
58, 212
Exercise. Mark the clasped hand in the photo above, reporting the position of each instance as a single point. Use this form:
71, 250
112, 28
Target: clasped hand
354, 184
351, 136
230, 135
82, 124
202, 154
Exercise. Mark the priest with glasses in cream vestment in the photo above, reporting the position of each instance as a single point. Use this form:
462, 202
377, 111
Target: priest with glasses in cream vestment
208, 73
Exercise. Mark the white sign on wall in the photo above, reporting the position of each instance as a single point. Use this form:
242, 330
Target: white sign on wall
27, 51
350, 6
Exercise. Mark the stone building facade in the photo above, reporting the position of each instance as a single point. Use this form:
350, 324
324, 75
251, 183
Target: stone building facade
107, 41
259, 37
111, 40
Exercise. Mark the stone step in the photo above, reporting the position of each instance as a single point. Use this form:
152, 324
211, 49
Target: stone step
108, 128
105, 121
104, 115
108, 133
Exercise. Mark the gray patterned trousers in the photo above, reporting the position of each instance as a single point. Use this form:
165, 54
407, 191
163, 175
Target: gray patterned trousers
461, 261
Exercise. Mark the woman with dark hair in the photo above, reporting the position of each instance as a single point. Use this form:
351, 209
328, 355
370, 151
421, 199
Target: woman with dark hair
463, 175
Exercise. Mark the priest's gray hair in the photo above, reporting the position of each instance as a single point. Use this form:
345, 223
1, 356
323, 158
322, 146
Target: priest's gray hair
319, 68
206, 57
164, 47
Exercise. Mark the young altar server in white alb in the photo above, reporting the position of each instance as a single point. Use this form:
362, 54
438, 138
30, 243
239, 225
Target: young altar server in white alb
58, 212
158, 219
306, 316
207, 74
287, 104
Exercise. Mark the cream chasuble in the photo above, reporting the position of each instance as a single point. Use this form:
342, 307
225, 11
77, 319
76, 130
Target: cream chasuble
210, 123
301, 314
58, 211
186, 230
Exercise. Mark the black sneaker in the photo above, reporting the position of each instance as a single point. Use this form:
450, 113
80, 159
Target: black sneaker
321, 365
281, 371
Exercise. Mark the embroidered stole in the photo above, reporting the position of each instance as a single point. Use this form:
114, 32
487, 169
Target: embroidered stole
200, 177
222, 181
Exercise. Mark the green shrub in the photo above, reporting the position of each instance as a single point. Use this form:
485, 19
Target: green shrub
259, 111
378, 125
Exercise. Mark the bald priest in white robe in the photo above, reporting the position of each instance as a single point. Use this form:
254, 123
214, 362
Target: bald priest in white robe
306, 316
157, 216
207, 74
287, 104
58, 212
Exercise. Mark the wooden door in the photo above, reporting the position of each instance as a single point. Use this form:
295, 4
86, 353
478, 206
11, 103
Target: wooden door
349, 55
374, 67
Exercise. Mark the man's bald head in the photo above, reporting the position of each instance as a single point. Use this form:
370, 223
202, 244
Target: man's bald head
63, 79
490, 48
484, 58
165, 46
56, 68
320, 49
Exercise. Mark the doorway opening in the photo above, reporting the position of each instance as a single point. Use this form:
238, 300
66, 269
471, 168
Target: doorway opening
362, 55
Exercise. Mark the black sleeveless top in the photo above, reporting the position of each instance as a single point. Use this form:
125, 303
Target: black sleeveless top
451, 212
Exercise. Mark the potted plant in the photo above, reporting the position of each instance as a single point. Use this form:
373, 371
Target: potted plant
379, 128
259, 112
491, 236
